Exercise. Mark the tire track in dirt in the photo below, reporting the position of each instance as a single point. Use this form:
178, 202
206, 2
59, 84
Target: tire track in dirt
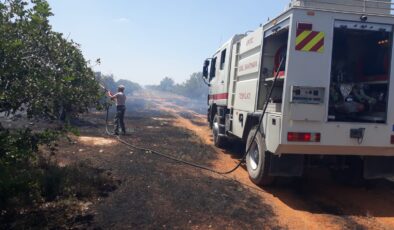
319, 205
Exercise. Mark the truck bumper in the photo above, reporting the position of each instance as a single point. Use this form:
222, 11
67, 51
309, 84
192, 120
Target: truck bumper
335, 150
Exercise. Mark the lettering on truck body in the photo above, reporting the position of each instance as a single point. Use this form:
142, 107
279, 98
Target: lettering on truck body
247, 66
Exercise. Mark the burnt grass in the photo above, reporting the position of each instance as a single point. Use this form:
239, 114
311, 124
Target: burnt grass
157, 197
64, 190
157, 193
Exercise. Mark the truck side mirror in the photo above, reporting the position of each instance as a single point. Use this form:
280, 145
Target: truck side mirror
205, 69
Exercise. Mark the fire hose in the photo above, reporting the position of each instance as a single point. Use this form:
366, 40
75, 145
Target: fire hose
202, 167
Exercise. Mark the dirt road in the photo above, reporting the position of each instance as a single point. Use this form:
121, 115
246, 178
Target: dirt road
157, 193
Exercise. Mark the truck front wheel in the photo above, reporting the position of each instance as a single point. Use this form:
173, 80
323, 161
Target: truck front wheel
258, 159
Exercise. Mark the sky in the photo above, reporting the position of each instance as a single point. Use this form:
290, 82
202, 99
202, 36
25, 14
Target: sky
147, 40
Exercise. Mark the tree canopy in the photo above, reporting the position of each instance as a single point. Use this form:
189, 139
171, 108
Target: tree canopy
40, 71
167, 84
109, 82
194, 87
43, 74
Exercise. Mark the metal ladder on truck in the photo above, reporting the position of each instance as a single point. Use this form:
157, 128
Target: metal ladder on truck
229, 121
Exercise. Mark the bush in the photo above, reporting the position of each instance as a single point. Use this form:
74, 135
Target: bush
57, 188
19, 175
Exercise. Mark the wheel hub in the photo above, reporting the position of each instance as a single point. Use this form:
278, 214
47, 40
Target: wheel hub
215, 130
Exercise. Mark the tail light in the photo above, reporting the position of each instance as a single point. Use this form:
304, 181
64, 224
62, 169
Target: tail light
303, 137
392, 139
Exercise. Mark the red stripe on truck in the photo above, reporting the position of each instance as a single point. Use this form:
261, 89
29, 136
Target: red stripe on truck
220, 96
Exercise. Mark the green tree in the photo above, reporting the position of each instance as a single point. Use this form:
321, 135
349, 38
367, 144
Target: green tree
167, 84
39, 69
194, 87
109, 82
42, 74
129, 85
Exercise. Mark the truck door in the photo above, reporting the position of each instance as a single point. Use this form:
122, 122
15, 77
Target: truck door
213, 80
222, 71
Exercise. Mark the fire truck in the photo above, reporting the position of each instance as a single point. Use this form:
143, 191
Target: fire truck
323, 70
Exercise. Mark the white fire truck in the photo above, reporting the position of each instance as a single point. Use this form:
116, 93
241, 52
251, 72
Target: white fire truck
329, 65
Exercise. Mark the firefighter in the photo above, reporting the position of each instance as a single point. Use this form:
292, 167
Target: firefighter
120, 99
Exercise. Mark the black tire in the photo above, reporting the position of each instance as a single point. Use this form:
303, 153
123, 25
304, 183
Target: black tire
258, 159
219, 141
209, 118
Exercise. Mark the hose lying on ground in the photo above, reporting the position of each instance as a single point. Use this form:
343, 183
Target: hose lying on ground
269, 94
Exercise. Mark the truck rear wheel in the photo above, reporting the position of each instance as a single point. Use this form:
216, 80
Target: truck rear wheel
218, 139
258, 159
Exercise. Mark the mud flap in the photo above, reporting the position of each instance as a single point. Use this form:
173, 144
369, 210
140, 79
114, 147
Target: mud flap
287, 165
378, 167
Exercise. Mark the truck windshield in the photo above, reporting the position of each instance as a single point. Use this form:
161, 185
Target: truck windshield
360, 72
